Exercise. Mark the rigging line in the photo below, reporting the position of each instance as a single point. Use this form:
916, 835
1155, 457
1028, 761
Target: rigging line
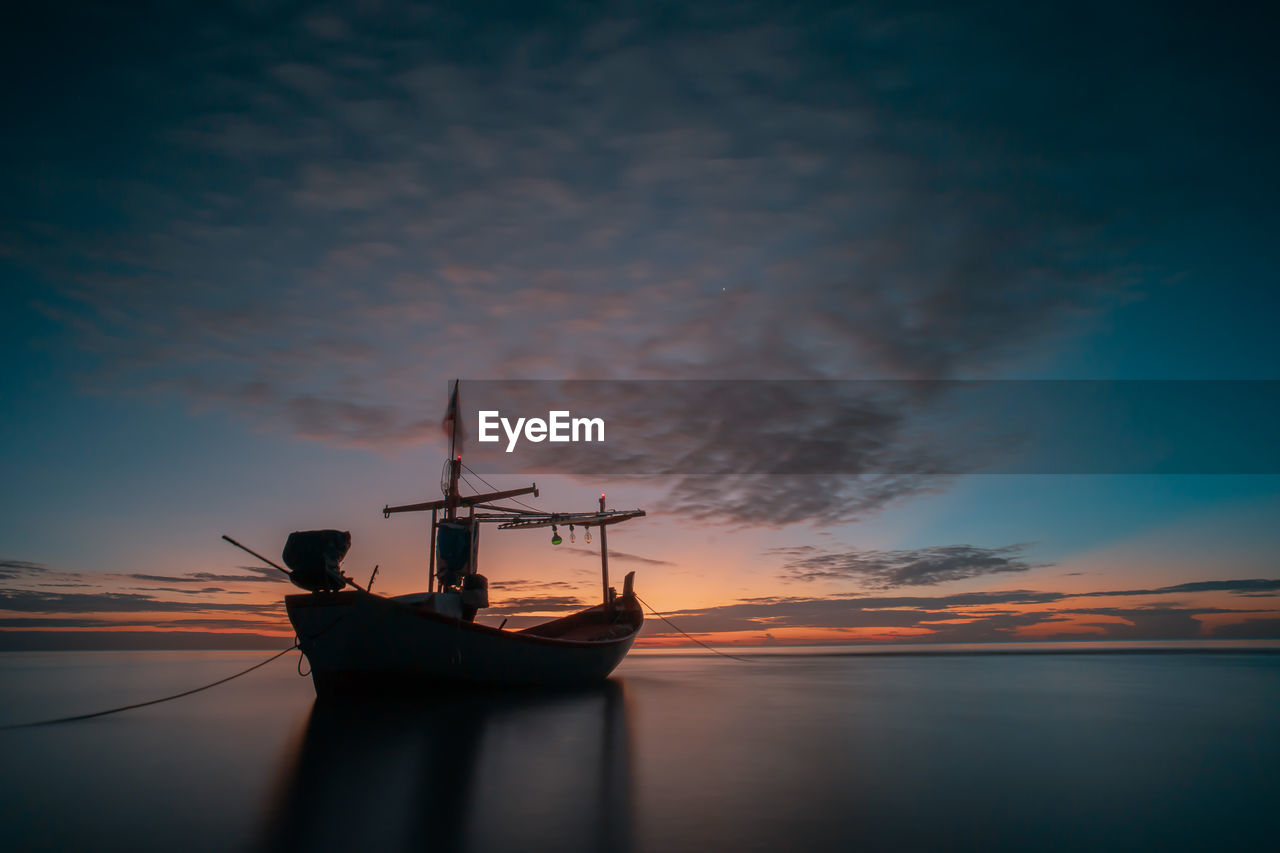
695, 639
478, 477
151, 702
473, 486
495, 488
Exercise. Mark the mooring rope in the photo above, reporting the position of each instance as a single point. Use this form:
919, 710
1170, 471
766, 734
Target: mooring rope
688, 636
150, 702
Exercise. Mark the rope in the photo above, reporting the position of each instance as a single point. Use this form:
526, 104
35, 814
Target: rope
478, 477
687, 636
297, 642
495, 488
151, 702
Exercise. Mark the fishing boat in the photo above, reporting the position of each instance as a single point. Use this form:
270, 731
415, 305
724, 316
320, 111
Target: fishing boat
353, 637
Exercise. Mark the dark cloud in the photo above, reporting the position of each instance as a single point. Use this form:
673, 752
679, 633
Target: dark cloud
10, 569
208, 590
59, 622
1267, 628
889, 569
520, 583
841, 613
1252, 587
735, 191
260, 574
1156, 622
620, 556
35, 601
537, 604
756, 193
971, 616
21, 622
41, 640
748, 452
45, 577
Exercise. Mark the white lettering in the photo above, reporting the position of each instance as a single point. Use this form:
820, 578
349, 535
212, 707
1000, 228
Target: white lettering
488, 421
512, 434
559, 426
587, 424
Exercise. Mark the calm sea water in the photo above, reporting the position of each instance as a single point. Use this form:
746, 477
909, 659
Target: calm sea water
679, 752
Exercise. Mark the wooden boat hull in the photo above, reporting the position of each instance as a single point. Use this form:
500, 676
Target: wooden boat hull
356, 639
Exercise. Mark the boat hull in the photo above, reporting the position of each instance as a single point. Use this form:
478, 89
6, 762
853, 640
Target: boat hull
358, 640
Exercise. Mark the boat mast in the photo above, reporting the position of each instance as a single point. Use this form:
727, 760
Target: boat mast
431, 558
604, 553
455, 458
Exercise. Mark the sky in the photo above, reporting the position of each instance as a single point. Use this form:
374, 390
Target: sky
245, 247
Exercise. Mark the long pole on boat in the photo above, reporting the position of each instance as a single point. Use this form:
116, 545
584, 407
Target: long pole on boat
455, 458
431, 560
453, 416
270, 563
275, 565
604, 554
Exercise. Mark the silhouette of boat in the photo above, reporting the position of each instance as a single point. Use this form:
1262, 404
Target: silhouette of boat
353, 637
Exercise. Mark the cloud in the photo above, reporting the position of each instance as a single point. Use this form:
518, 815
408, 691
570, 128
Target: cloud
620, 556
38, 589
208, 590
1250, 587
537, 604
1267, 628
63, 622
609, 191
844, 615
36, 601
45, 577
260, 574
521, 583
743, 451
1156, 622
66, 640
979, 616
739, 197
10, 569
913, 567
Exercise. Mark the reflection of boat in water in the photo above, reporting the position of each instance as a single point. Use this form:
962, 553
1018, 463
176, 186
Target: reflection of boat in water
356, 637
531, 770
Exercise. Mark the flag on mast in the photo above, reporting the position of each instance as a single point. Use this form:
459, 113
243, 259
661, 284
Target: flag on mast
452, 426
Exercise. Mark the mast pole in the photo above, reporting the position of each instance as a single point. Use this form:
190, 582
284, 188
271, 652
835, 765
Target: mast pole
453, 425
431, 560
455, 459
604, 554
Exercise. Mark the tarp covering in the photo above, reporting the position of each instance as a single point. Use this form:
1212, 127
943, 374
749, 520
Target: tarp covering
315, 558
455, 544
